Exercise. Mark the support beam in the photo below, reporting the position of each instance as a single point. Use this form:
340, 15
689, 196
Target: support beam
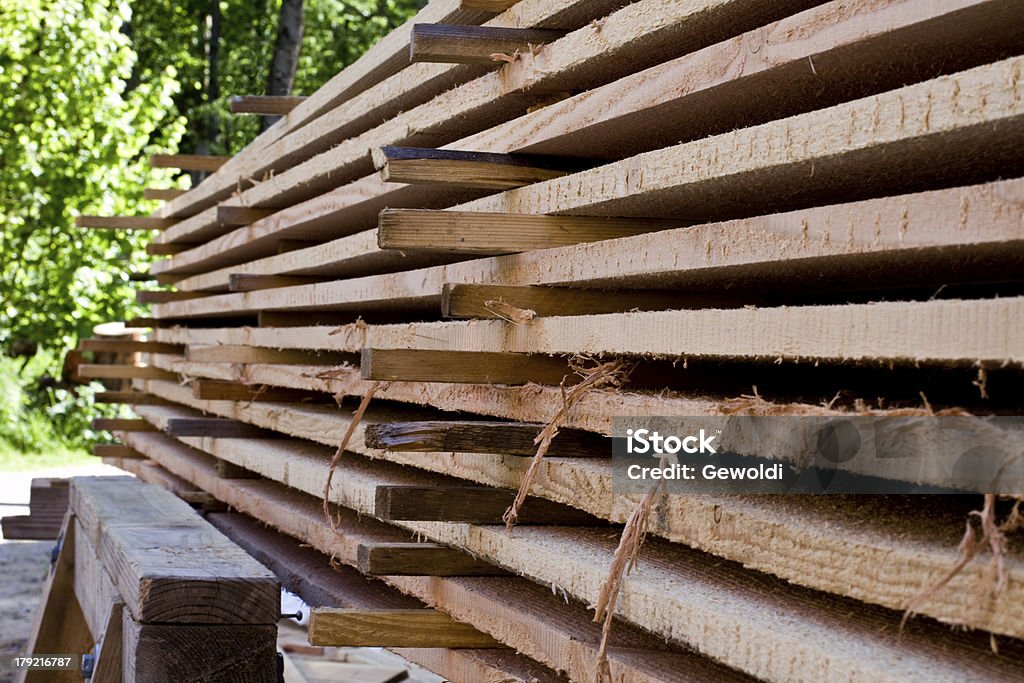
421, 559
240, 215
121, 424
470, 505
491, 301
245, 282
215, 427
469, 232
218, 390
455, 366
163, 296
188, 162
117, 450
428, 166
340, 627
124, 222
132, 398
508, 438
265, 105
94, 371
455, 44
129, 346
162, 194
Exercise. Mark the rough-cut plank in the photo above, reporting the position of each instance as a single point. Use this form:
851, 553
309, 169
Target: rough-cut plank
115, 450
128, 346
454, 44
429, 166
222, 353
234, 215
94, 589
311, 575
341, 627
121, 424
110, 656
188, 162
488, 5
421, 559
124, 222
942, 331
162, 296
819, 542
161, 194
469, 505
128, 398
104, 371
166, 562
214, 427
215, 390
244, 282
511, 438
398, 364
496, 233
543, 626
267, 105
171, 653
485, 301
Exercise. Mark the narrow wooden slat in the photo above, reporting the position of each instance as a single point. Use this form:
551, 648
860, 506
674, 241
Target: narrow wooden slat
304, 318
218, 390
227, 353
245, 282
469, 232
455, 44
509, 438
456, 366
267, 105
138, 398
117, 450
214, 427
122, 424
488, 5
421, 559
188, 162
159, 249
229, 470
109, 664
124, 222
94, 371
471, 505
129, 346
486, 301
163, 296
428, 166
162, 194
240, 215
339, 627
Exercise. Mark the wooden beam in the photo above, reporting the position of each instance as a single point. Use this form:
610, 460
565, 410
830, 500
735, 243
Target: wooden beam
168, 564
455, 366
421, 559
121, 424
162, 194
129, 346
428, 166
488, 5
124, 222
245, 282
215, 427
461, 232
266, 105
508, 438
453, 44
305, 318
489, 301
109, 664
117, 450
94, 371
227, 353
134, 398
240, 215
218, 390
188, 162
163, 296
470, 505
160, 249
338, 627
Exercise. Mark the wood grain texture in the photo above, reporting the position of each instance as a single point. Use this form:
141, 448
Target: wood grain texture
511, 438
251, 354
496, 233
404, 365
124, 222
109, 666
188, 162
213, 427
216, 390
267, 105
339, 627
453, 44
470, 505
245, 282
167, 563
429, 166
421, 559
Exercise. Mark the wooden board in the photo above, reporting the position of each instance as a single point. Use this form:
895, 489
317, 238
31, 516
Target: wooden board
511, 438
124, 222
162, 296
486, 301
166, 562
161, 194
128, 346
127, 397
250, 354
341, 627
240, 215
213, 427
398, 364
267, 105
469, 505
454, 44
421, 559
110, 371
215, 390
121, 424
115, 450
429, 166
188, 162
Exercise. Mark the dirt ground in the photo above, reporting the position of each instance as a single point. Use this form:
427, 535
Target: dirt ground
23, 568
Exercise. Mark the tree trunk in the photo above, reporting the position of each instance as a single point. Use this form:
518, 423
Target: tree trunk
290, 26
210, 128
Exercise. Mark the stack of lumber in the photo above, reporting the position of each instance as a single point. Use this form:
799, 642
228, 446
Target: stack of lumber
154, 593
756, 208
47, 503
